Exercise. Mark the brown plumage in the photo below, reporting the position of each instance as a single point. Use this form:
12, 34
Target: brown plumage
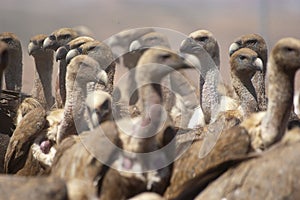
251, 126
178, 92
17, 187
59, 37
204, 46
99, 108
102, 54
208, 41
82, 158
81, 70
127, 85
124, 38
244, 64
18, 151
257, 44
55, 40
42, 89
62, 51
267, 128
208, 147
14, 71
132, 172
272, 175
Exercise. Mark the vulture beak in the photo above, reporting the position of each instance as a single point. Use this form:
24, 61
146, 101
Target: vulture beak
258, 64
233, 47
102, 77
71, 54
190, 61
49, 42
61, 53
31, 47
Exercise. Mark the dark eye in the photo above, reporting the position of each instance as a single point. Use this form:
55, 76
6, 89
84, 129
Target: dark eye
202, 39
7, 40
241, 57
165, 56
252, 42
66, 36
288, 49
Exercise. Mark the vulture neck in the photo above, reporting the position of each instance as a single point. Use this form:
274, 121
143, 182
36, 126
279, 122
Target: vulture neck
210, 96
110, 70
74, 108
13, 73
209, 81
246, 92
280, 101
151, 100
60, 94
42, 89
259, 85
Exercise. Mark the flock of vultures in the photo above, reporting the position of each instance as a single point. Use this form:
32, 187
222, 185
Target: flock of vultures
155, 135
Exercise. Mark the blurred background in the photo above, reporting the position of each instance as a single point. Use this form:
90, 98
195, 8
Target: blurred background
226, 19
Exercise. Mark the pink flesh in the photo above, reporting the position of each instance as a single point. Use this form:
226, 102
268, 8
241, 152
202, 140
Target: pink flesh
45, 146
127, 163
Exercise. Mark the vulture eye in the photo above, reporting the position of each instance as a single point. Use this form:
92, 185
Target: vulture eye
202, 39
241, 57
288, 49
66, 36
165, 56
252, 42
7, 40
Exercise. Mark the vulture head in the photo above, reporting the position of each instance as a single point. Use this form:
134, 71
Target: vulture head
14, 70
251, 41
85, 69
99, 107
150, 65
245, 62
95, 49
59, 38
11, 40
286, 55
36, 44
207, 40
62, 51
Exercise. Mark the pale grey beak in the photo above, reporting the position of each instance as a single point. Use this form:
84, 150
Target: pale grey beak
71, 54
233, 47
